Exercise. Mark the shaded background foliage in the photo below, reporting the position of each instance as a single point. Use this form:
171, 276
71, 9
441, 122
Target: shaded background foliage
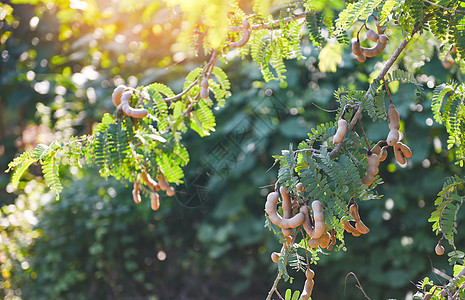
209, 242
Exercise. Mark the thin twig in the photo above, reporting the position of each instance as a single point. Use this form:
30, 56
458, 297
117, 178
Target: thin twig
274, 23
445, 8
359, 285
381, 75
363, 132
304, 150
182, 93
324, 109
388, 91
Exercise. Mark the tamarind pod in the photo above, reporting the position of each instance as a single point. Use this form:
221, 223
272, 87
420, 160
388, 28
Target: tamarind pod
341, 131
136, 193
313, 243
245, 36
439, 249
325, 239
361, 58
288, 239
308, 288
333, 241
275, 218
309, 273
287, 209
372, 36
162, 182
356, 47
356, 233
204, 93
399, 155
393, 118
130, 111
170, 191
361, 227
368, 179
383, 39
116, 95
348, 227
379, 28
154, 200
318, 228
393, 137
300, 187
204, 83
373, 51
275, 257
373, 171
377, 148
406, 152
149, 181
353, 210
384, 153
372, 159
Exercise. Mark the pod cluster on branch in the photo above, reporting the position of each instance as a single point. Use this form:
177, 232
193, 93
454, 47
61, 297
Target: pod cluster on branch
121, 96
362, 53
162, 184
246, 32
359, 228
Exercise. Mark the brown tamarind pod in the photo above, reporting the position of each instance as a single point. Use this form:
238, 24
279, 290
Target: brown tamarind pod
308, 288
275, 256
154, 200
204, 93
325, 239
368, 179
384, 153
204, 83
373, 163
377, 148
116, 95
130, 111
380, 29
300, 187
136, 192
348, 227
383, 39
439, 249
333, 240
245, 36
287, 208
372, 36
341, 131
373, 51
170, 191
149, 181
162, 182
275, 218
399, 155
406, 152
359, 226
361, 58
356, 50
393, 118
393, 137
316, 230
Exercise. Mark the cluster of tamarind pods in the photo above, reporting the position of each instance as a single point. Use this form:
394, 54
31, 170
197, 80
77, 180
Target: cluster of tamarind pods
162, 184
380, 38
313, 226
121, 96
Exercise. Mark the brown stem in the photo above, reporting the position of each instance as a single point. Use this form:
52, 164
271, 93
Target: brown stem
359, 286
443, 7
274, 24
388, 91
363, 132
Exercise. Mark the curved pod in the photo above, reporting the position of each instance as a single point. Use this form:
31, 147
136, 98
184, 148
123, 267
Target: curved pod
275, 218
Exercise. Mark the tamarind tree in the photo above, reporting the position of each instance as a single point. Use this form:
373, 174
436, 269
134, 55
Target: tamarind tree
321, 181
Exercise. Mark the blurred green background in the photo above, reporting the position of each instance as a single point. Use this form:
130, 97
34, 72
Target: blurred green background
60, 61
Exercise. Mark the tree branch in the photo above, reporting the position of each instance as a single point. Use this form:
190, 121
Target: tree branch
275, 23
381, 75
445, 8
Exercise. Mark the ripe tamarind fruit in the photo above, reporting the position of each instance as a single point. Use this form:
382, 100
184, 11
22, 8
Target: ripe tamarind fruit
245, 36
406, 152
377, 148
439, 249
287, 208
149, 181
373, 163
170, 191
308, 285
356, 50
204, 88
136, 113
275, 218
136, 192
393, 137
341, 131
116, 95
162, 182
323, 241
384, 153
154, 200
373, 51
300, 187
318, 228
333, 240
393, 118
372, 36
399, 155
275, 257
383, 39
359, 225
